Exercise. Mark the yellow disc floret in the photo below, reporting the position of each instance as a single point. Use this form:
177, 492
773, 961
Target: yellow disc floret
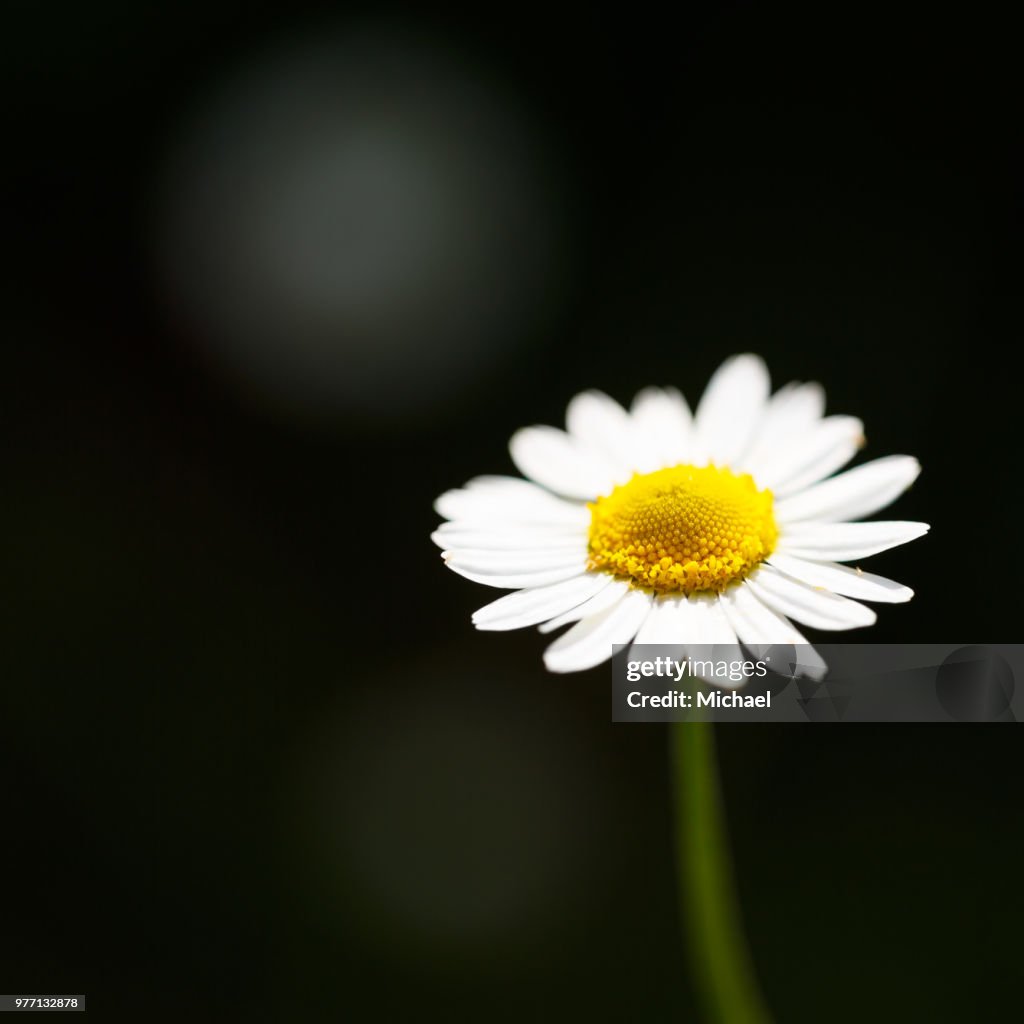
683, 529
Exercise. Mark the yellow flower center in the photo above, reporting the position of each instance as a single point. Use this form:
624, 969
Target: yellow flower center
682, 529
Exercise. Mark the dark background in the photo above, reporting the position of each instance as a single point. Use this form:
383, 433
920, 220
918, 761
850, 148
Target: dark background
255, 763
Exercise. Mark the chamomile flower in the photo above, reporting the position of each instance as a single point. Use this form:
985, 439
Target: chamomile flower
661, 526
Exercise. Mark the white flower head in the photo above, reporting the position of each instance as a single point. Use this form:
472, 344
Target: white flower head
658, 526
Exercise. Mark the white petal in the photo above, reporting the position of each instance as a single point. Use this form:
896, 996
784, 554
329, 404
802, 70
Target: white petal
851, 495
667, 623
694, 627
817, 608
759, 628
710, 637
602, 426
528, 607
713, 627
670, 624
791, 412
609, 595
513, 557
561, 463
590, 642
754, 622
507, 536
843, 542
514, 570
662, 425
824, 448
731, 407
841, 579
504, 499
528, 559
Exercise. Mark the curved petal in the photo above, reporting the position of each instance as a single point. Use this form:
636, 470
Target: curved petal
528, 607
695, 628
718, 642
790, 413
804, 460
713, 627
851, 495
843, 542
561, 463
759, 627
514, 570
605, 598
667, 622
662, 427
506, 499
841, 579
754, 622
507, 537
731, 407
820, 609
590, 642
602, 426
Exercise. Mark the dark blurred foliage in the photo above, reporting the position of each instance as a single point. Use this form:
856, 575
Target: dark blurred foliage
255, 763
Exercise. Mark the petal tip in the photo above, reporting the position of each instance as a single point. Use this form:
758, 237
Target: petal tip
555, 666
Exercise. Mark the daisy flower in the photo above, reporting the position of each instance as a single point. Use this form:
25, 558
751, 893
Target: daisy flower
661, 526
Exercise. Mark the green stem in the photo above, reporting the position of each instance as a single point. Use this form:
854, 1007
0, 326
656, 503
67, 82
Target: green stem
721, 965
